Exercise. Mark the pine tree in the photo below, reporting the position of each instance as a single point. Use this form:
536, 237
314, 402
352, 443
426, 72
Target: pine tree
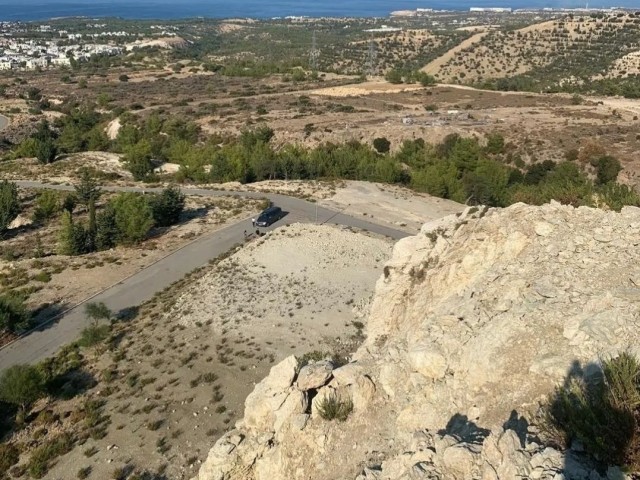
106, 229
87, 190
167, 206
65, 237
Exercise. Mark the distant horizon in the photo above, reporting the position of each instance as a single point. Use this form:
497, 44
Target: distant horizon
34, 10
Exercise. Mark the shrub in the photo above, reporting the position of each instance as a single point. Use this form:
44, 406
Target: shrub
21, 385
601, 413
93, 335
13, 314
607, 169
41, 457
47, 205
9, 204
154, 425
393, 76
9, 456
334, 408
43, 277
84, 472
381, 144
97, 311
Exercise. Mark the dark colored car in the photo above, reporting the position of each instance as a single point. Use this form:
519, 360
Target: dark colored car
269, 216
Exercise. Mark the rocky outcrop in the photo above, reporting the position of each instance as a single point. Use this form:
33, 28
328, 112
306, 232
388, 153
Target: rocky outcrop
475, 321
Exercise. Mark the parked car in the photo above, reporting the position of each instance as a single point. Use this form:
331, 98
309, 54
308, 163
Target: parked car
269, 216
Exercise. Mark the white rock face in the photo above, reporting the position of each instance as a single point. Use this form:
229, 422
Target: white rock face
474, 323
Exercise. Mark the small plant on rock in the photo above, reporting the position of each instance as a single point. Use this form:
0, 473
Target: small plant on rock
333, 407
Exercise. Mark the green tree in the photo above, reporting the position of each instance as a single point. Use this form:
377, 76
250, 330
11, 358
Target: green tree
424, 79
72, 238
69, 202
95, 333
9, 204
381, 144
97, 311
21, 385
106, 228
138, 160
88, 193
133, 217
167, 206
46, 151
394, 76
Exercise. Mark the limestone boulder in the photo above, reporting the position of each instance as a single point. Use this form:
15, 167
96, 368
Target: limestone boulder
314, 375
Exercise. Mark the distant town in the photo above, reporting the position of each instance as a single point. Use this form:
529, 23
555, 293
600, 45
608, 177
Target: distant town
32, 47
586, 10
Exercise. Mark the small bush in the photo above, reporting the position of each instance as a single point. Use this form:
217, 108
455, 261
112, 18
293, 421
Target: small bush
93, 335
21, 385
154, 425
602, 414
41, 457
84, 472
44, 277
9, 456
381, 144
335, 408
47, 206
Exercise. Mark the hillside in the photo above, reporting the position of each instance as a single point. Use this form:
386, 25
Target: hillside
475, 321
567, 51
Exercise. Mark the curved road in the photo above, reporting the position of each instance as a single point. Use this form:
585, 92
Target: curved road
4, 121
140, 287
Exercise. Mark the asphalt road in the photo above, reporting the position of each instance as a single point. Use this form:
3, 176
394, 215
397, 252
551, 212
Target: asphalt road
4, 121
141, 286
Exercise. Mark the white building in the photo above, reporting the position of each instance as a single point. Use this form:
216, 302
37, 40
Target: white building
34, 63
60, 61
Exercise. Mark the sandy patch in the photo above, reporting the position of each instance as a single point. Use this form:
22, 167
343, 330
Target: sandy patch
164, 42
113, 128
390, 205
366, 88
230, 27
300, 283
168, 168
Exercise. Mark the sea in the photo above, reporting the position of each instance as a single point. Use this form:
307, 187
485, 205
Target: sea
174, 9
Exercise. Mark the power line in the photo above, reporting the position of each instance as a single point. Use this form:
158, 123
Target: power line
372, 55
314, 54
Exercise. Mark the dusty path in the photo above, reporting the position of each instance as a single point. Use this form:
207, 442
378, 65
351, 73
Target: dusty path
4, 121
141, 286
434, 66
